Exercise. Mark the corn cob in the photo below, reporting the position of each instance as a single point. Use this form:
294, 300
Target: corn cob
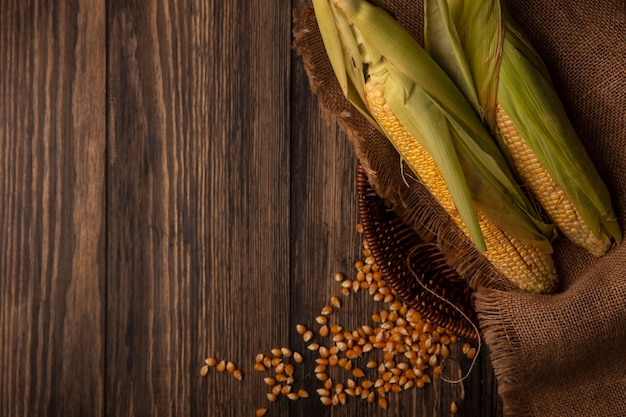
398, 87
551, 197
487, 55
567, 186
527, 267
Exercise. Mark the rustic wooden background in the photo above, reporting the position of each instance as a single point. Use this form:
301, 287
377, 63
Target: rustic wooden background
169, 190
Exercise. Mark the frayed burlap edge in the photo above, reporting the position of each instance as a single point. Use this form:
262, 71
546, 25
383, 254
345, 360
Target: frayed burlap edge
387, 174
504, 348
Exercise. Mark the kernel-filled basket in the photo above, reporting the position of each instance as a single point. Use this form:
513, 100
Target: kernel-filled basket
413, 268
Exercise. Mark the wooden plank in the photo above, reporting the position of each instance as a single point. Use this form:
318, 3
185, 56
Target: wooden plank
52, 146
323, 232
198, 193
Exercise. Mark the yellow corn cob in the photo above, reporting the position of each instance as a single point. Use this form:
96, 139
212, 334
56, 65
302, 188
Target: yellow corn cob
521, 263
552, 198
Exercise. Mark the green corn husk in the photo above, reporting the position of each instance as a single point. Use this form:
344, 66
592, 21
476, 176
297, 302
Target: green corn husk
506, 69
359, 38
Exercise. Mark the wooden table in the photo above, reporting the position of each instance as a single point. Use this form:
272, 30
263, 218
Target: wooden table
169, 191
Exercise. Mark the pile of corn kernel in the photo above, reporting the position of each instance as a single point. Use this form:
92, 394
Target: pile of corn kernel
413, 349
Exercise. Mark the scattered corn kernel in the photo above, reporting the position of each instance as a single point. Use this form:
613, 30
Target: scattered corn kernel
382, 402
326, 400
397, 330
327, 310
307, 336
289, 369
267, 361
321, 376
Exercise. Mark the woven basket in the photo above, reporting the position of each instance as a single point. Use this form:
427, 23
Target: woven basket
413, 268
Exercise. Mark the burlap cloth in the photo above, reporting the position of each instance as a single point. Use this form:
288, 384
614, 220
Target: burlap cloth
553, 355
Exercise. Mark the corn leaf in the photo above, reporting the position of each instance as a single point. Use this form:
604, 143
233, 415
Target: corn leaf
519, 41
325, 17
465, 37
343, 53
443, 44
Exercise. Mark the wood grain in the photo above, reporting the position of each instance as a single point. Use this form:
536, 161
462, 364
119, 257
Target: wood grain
198, 200
52, 144
169, 191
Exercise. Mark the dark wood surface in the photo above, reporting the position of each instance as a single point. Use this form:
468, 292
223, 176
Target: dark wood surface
169, 191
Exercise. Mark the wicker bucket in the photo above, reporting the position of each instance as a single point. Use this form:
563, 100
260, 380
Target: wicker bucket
415, 269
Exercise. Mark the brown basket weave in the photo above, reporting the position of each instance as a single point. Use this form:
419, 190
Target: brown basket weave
412, 267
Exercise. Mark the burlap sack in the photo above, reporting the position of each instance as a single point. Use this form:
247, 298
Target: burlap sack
553, 355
